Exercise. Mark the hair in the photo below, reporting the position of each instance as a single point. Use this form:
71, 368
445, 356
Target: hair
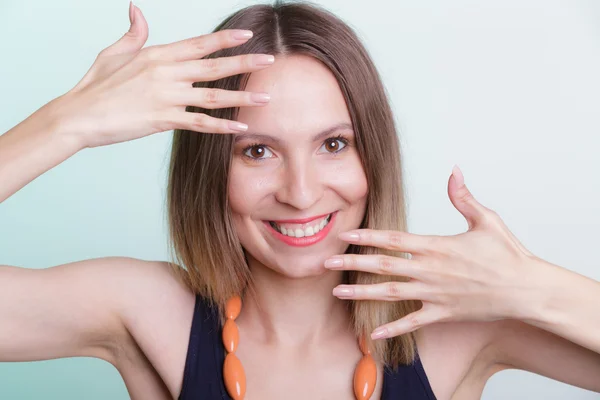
201, 230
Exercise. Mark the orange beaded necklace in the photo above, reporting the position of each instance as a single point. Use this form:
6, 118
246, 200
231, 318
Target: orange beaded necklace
365, 374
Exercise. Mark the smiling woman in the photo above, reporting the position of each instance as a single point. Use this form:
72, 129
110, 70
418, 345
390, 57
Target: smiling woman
325, 145
322, 77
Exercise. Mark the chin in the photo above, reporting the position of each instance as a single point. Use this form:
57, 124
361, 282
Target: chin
300, 268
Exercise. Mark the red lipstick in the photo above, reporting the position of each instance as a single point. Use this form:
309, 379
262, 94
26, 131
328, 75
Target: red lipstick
302, 241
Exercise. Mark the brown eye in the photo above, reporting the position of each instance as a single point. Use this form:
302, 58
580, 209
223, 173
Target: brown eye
334, 145
256, 152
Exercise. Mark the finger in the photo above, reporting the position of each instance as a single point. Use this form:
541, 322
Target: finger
133, 40
409, 323
218, 98
392, 240
197, 47
464, 201
376, 264
387, 291
199, 122
210, 69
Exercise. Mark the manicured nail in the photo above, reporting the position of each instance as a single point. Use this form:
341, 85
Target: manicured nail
264, 59
343, 291
379, 333
242, 35
334, 262
238, 126
260, 97
349, 236
458, 175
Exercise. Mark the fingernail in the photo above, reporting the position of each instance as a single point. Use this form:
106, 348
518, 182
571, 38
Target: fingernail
264, 59
379, 333
350, 236
260, 97
343, 291
131, 12
458, 176
334, 262
242, 35
238, 126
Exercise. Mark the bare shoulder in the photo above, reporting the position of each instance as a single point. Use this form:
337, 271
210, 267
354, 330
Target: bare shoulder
156, 309
457, 357
132, 313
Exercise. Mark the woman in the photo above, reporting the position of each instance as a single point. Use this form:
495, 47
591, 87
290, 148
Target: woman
304, 200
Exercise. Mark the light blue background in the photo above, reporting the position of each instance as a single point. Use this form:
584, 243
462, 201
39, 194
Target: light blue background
508, 90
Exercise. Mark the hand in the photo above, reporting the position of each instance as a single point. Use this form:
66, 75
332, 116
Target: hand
477, 275
130, 92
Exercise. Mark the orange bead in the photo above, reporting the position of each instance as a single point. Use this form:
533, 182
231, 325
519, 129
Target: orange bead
365, 377
231, 336
363, 345
234, 377
233, 307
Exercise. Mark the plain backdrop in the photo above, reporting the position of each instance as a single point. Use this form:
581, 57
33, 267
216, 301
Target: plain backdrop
508, 90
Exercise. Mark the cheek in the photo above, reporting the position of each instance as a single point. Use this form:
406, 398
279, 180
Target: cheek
246, 189
348, 179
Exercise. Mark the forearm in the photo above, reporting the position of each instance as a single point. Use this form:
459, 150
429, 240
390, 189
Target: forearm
33, 147
565, 303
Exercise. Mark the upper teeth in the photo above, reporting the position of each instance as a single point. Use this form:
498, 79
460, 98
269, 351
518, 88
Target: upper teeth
299, 232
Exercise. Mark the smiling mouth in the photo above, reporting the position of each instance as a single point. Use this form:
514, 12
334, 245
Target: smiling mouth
302, 230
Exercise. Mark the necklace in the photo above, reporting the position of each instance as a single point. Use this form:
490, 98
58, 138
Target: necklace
365, 374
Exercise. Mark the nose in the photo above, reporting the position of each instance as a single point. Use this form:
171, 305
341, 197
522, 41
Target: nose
300, 184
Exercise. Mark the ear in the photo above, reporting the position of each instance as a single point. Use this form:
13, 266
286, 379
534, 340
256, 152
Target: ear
463, 200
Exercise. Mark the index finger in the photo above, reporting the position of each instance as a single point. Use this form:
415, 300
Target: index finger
391, 240
197, 47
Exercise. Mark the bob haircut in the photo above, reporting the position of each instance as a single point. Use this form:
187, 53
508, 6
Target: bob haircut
201, 231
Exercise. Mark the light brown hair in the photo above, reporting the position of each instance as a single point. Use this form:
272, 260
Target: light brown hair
204, 242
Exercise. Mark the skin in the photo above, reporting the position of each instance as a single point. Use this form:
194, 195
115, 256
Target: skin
297, 179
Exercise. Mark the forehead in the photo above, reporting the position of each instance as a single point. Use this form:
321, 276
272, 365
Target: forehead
305, 98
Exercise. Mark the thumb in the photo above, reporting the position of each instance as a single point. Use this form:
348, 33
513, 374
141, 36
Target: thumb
134, 39
463, 200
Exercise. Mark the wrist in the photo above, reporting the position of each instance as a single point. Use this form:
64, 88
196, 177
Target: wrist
60, 122
533, 299
547, 301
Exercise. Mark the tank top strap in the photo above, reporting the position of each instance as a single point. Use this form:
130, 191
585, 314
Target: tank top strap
201, 380
408, 382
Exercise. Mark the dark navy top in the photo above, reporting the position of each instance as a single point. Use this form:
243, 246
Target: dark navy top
203, 379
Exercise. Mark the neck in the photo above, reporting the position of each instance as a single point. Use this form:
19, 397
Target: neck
291, 312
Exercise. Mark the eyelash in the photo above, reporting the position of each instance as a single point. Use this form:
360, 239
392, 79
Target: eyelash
341, 138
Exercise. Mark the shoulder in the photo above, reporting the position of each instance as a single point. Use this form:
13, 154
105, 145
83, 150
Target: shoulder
156, 308
457, 357
141, 288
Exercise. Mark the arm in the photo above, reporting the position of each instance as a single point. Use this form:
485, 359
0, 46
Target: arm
556, 330
34, 146
31, 327
64, 311
563, 302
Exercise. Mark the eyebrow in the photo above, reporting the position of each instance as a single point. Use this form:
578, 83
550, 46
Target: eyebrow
261, 137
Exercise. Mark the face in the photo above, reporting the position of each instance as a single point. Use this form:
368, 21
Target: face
294, 188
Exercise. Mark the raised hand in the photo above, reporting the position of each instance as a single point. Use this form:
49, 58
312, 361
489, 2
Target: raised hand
131, 92
479, 275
